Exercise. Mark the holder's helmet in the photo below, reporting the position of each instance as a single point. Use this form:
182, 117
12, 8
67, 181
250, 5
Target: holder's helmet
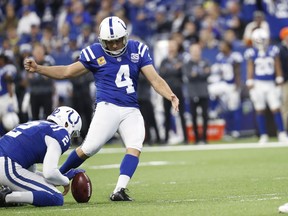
68, 118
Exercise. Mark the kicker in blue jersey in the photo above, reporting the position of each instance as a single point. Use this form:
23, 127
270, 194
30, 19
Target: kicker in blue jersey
116, 77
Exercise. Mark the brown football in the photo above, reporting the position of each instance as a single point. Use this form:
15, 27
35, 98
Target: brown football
81, 187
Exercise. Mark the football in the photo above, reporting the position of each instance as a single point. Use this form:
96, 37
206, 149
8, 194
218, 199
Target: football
81, 187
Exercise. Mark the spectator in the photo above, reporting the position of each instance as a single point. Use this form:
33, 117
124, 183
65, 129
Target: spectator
81, 86
34, 36
8, 100
13, 38
283, 55
77, 18
171, 71
179, 18
86, 37
27, 20
163, 24
141, 18
190, 34
62, 39
147, 111
195, 73
276, 16
48, 39
10, 20
41, 88
258, 22
233, 18
21, 83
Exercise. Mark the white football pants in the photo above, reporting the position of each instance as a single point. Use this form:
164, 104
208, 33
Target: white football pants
107, 120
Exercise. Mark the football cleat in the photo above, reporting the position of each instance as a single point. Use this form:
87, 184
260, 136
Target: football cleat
3, 193
263, 139
120, 196
283, 208
282, 137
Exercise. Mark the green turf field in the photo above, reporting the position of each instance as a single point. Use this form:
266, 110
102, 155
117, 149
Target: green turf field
185, 180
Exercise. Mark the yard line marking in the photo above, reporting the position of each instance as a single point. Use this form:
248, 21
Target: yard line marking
245, 198
66, 210
199, 147
195, 147
150, 163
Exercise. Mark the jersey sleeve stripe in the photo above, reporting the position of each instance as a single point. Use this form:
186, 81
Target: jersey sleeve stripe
143, 50
91, 52
86, 55
139, 47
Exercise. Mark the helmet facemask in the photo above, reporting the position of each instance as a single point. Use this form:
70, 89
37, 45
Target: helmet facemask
115, 53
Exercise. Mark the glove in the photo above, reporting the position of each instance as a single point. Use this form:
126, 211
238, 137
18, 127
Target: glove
72, 172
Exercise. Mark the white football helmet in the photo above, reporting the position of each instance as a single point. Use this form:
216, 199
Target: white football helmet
10, 120
68, 118
113, 28
260, 38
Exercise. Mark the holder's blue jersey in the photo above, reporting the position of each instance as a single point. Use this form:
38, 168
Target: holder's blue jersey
264, 62
26, 144
116, 77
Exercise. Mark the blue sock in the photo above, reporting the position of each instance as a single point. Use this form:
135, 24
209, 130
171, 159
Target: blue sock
236, 119
129, 165
44, 198
278, 121
261, 124
213, 103
72, 161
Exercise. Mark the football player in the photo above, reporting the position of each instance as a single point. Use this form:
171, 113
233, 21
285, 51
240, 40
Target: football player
37, 142
264, 78
227, 66
115, 63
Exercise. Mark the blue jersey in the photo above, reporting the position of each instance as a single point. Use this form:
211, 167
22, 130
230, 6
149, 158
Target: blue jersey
26, 143
116, 77
7, 70
264, 62
226, 65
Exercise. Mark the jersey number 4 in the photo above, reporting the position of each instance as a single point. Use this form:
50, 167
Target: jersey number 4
123, 79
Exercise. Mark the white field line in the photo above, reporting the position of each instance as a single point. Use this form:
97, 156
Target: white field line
150, 163
195, 147
64, 210
246, 198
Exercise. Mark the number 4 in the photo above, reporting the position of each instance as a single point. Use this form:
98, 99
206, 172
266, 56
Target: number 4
124, 72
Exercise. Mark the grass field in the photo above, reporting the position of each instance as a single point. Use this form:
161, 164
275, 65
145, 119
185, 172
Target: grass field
216, 179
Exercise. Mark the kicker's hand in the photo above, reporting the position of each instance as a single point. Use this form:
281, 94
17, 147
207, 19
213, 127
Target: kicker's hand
30, 65
175, 102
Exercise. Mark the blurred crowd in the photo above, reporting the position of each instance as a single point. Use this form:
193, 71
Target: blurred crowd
182, 35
